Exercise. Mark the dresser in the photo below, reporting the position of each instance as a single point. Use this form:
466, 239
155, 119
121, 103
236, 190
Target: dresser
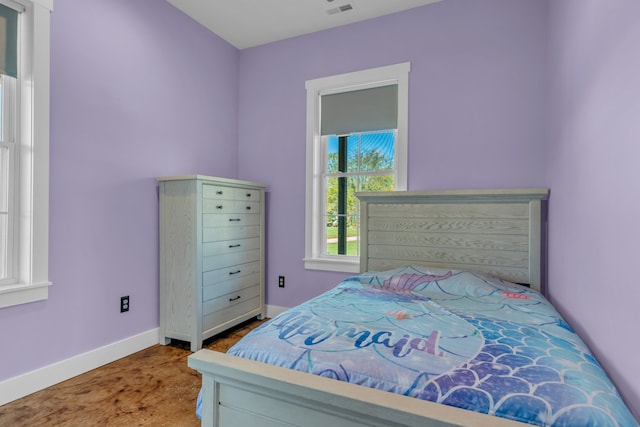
211, 256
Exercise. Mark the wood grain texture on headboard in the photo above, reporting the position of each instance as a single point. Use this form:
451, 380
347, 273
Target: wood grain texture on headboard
500, 232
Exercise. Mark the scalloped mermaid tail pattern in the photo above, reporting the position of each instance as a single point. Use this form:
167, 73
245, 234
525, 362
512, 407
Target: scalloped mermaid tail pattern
522, 372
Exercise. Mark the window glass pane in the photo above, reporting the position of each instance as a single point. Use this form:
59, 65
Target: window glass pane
374, 183
7, 108
366, 152
353, 153
4, 215
353, 185
4, 179
370, 152
332, 239
7, 87
4, 236
376, 151
1, 108
342, 215
352, 238
332, 198
332, 154
348, 186
8, 41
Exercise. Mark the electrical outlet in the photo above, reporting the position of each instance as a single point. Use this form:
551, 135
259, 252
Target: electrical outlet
281, 281
124, 304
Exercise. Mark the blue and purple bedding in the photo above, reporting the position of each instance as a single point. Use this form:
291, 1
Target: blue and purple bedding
455, 337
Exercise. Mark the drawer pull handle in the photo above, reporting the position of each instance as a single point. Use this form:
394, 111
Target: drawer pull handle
219, 207
234, 246
248, 194
248, 208
219, 193
234, 272
233, 299
234, 219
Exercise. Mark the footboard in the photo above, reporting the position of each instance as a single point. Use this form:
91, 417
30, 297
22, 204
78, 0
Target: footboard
241, 392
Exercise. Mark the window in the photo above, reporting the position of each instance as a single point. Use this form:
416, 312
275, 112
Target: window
356, 141
361, 161
7, 179
24, 150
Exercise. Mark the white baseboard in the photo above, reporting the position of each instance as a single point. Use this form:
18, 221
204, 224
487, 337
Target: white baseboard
274, 310
30, 382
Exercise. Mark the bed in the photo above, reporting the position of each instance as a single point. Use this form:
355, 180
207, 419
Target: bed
434, 331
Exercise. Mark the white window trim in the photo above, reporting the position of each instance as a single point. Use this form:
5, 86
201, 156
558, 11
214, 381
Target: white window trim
398, 73
33, 96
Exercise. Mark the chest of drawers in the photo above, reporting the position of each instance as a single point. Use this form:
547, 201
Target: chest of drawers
211, 256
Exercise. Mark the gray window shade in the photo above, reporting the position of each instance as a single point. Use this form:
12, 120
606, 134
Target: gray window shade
359, 111
8, 41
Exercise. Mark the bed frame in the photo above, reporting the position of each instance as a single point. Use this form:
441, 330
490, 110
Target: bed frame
502, 232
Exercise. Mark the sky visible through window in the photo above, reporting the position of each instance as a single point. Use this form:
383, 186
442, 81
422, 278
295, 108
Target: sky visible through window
359, 145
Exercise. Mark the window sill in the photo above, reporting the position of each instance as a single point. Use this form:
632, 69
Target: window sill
326, 264
23, 293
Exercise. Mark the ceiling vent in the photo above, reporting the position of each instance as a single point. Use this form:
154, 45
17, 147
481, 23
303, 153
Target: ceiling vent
339, 9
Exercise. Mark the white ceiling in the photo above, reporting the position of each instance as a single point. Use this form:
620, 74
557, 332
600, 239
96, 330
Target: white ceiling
247, 23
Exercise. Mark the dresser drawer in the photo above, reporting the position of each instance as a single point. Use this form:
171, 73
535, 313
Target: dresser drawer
222, 274
217, 192
230, 246
229, 306
218, 206
231, 219
214, 234
230, 299
227, 260
247, 194
233, 284
212, 206
246, 207
227, 193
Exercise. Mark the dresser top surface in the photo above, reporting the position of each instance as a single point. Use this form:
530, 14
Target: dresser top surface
210, 179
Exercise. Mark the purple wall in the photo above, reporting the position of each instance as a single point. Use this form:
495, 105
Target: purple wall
138, 90
477, 94
595, 179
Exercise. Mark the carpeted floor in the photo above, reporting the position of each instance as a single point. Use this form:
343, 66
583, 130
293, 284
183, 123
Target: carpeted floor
153, 387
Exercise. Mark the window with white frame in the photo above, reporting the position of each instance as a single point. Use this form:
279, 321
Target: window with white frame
8, 172
24, 150
356, 141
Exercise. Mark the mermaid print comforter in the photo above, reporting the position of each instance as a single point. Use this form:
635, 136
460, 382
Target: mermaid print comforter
459, 338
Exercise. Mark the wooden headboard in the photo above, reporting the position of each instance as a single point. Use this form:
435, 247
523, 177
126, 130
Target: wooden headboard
500, 232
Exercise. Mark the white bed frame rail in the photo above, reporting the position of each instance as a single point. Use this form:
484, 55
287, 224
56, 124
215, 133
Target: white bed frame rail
254, 394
